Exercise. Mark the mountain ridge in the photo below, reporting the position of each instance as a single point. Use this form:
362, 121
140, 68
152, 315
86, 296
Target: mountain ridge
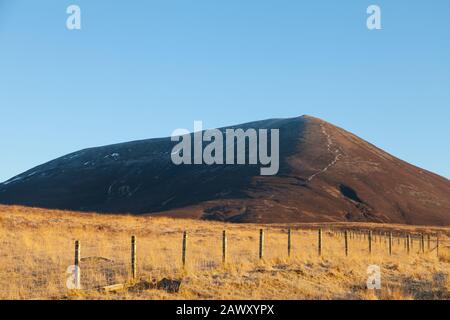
326, 174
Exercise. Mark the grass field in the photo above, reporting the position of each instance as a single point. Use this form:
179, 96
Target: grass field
37, 247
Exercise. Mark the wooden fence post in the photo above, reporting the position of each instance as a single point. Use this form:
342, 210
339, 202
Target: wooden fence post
133, 258
390, 243
77, 265
422, 243
289, 242
428, 242
408, 243
224, 246
346, 242
261, 243
437, 245
183, 249
370, 241
319, 244
77, 253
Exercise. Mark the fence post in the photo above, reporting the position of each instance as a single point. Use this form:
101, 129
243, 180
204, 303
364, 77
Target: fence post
437, 245
77, 265
346, 242
390, 243
370, 241
428, 242
289, 242
408, 243
319, 244
133, 258
422, 243
183, 250
224, 246
261, 243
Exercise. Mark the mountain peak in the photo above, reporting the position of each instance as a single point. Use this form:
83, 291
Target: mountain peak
308, 117
325, 175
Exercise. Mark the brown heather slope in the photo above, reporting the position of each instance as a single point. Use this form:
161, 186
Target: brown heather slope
326, 175
336, 176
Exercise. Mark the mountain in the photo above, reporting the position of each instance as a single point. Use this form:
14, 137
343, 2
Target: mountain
326, 174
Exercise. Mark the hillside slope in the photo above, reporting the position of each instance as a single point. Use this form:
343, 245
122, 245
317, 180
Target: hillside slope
326, 174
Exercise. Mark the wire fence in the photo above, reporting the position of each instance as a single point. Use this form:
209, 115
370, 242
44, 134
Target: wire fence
49, 268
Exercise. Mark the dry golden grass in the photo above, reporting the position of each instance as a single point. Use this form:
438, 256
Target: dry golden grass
37, 246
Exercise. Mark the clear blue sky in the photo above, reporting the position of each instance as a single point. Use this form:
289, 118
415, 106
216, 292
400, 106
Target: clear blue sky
140, 69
